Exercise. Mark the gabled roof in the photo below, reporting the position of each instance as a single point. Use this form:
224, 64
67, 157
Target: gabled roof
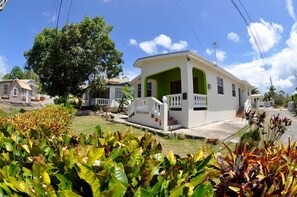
190, 55
22, 84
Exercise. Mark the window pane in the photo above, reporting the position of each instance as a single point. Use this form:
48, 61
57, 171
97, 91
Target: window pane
220, 84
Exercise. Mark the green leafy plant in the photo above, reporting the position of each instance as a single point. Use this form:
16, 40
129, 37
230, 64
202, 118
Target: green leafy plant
36, 163
259, 170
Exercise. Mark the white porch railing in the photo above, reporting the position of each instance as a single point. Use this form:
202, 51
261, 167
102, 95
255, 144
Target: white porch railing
154, 112
100, 101
200, 101
174, 101
146, 105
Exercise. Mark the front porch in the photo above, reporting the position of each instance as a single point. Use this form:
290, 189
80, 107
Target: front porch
167, 97
154, 113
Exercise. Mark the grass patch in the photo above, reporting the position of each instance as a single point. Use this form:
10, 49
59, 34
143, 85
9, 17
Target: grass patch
11, 112
86, 125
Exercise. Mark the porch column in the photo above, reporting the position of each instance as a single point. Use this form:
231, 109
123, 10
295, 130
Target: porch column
164, 113
143, 82
187, 91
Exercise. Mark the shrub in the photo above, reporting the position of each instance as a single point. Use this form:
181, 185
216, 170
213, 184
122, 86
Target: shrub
34, 163
259, 170
54, 118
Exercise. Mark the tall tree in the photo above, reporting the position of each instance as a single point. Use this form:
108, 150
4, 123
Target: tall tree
16, 73
65, 59
270, 94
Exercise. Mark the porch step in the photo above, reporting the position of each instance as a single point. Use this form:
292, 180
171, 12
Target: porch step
170, 118
174, 127
172, 122
240, 113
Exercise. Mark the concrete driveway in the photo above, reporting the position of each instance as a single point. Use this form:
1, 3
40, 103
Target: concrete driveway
218, 130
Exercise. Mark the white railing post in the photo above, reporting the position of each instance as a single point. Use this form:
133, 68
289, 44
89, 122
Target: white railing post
164, 114
200, 101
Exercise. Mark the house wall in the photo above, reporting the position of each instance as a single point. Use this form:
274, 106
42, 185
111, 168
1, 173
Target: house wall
112, 99
2, 84
18, 97
220, 107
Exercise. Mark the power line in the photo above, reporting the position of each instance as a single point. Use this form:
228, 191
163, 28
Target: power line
54, 12
190, 24
246, 22
258, 37
58, 18
70, 6
257, 40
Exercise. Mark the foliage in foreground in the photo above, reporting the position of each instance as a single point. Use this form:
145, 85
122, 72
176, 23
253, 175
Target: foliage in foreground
46, 161
120, 164
258, 167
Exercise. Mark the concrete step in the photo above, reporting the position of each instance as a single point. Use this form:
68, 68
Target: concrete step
174, 127
170, 118
172, 122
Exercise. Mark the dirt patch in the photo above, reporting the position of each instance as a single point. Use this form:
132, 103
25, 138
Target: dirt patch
5, 106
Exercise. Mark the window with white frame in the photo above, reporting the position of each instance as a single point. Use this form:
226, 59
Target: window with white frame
118, 93
220, 84
139, 90
15, 92
5, 90
233, 90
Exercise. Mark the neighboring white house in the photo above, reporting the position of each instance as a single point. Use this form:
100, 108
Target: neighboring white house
17, 90
107, 97
182, 89
257, 101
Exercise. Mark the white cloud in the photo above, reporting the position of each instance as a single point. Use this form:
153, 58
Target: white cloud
160, 43
268, 34
131, 72
51, 17
133, 42
233, 37
149, 47
3, 66
290, 9
279, 68
163, 41
208, 51
220, 55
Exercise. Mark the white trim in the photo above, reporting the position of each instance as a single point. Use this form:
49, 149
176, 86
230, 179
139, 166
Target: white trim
14, 91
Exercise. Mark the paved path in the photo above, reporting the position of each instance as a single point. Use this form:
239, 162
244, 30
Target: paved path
292, 130
218, 130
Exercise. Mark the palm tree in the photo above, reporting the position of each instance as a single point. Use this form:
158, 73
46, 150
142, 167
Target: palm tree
255, 90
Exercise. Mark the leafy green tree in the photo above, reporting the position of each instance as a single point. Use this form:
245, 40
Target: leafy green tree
16, 73
29, 74
66, 59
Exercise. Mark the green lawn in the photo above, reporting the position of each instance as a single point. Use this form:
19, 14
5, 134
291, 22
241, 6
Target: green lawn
86, 125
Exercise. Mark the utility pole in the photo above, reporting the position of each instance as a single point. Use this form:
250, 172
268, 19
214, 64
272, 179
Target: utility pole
215, 45
2, 4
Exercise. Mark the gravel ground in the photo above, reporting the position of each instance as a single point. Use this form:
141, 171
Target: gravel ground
292, 130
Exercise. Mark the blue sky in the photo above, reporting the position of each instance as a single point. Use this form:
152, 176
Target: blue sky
148, 27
